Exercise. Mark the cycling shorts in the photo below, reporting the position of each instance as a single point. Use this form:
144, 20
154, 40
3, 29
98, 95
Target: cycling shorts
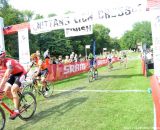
16, 79
43, 72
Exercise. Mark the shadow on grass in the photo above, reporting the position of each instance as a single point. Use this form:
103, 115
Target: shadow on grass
120, 68
61, 109
81, 76
120, 76
150, 72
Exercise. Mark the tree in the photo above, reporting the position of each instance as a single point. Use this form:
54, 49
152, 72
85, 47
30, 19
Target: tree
28, 15
141, 32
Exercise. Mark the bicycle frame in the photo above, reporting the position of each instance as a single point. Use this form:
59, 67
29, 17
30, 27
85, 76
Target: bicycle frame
37, 84
5, 105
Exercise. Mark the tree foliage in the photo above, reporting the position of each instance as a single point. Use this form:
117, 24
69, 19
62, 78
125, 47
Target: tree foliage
141, 33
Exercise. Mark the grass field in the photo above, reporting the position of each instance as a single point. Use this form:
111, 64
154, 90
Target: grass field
81, 108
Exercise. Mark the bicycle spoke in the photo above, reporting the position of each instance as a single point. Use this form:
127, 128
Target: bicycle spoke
28, 106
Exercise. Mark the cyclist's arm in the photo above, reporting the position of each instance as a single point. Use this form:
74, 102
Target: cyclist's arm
37, 72
30, 66
5, 77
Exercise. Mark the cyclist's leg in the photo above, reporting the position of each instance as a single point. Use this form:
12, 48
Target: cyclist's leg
125, 63
43, 78
14, 90
8, 85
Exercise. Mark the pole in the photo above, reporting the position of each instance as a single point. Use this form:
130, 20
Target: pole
86, 51
2, 46
94, 48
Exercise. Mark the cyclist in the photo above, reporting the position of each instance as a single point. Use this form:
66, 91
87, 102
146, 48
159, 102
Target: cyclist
91, 60
35, 57
42, 69
12, 79
124, 57
109, 57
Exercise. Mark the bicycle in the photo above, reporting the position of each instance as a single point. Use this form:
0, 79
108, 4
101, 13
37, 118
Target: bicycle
35, 86
110, 65
92, 74
26, 102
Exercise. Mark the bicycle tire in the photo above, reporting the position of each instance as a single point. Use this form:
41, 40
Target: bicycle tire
49, 92
90, 76
96, 74
2, 115
24, 106
27, 88
30, 88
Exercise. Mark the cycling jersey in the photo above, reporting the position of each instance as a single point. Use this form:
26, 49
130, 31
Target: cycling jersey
91, 56
44, 65
18, 72
14, 65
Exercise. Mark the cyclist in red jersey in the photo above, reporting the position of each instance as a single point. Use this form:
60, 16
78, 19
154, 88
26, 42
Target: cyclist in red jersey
12, 79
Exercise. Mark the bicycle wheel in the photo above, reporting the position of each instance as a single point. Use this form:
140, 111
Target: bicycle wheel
49, 90
2, 119
90, 76
27, 88
32, 88
27, 106
96, 74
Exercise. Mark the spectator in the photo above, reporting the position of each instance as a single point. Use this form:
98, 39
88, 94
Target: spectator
60, 60
54, 60
72, 57
75, 58
67, 60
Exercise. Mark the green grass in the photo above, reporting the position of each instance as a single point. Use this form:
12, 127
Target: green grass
95, 111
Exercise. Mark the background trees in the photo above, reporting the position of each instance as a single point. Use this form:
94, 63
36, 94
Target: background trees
141, 33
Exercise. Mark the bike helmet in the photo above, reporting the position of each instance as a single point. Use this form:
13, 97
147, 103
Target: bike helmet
33, 56
2, 53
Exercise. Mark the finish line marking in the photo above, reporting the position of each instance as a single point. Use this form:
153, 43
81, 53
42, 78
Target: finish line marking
104, 91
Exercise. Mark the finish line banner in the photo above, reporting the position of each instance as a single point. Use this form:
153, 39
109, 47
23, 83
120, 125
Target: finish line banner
70, 21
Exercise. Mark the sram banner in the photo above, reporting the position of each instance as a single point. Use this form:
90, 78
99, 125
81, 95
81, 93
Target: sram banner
102, 62
62, 71
75, 67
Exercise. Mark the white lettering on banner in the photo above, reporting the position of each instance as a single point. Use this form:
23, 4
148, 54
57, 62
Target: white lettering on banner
74, 68
79, 30
102, 62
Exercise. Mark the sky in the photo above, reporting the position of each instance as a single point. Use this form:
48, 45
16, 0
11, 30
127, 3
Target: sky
117, 25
